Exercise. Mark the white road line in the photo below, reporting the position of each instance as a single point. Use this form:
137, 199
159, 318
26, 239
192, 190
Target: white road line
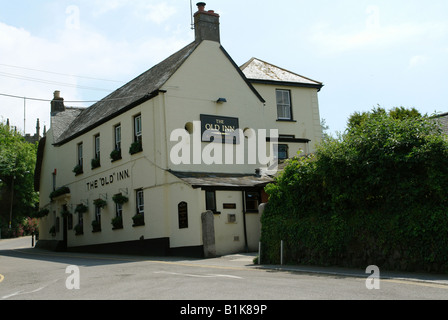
199, 276
24, 293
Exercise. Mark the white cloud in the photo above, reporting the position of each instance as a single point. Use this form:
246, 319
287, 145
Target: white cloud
416, 61
147, 10
158, 13
70, 51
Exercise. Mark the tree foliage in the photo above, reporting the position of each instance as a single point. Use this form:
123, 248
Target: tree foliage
17, 164
374, 195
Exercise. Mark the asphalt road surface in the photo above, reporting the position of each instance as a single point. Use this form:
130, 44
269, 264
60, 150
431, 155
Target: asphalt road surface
32, 274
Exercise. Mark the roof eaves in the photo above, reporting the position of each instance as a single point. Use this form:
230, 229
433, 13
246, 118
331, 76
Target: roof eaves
243, 75
317, 86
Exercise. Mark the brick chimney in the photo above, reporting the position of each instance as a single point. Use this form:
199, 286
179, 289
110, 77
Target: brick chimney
206, 24
57, 104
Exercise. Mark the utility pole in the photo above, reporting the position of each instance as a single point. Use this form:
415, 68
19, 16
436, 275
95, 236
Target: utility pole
12, 200
24, 116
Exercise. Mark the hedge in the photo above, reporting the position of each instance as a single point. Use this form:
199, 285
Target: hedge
377, 194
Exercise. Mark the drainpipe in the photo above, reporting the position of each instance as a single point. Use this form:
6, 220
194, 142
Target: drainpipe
246, 246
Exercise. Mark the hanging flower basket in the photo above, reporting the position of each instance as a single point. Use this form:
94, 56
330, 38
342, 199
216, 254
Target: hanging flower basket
120, 199
65, 213
100, 203
42, 213
81, 208
59, 192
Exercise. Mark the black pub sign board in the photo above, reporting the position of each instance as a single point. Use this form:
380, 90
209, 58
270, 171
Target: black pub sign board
226, 128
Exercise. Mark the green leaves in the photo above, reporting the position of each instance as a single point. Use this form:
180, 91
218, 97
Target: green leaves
17, 164
381, 188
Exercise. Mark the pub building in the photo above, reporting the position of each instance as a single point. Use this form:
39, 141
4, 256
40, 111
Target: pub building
149, 169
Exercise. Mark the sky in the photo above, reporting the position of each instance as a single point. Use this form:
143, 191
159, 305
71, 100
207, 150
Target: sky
367, 53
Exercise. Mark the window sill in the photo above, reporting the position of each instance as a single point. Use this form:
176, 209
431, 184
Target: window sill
286, 120
138, 225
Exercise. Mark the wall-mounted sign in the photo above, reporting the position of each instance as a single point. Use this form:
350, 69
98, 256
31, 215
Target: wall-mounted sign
218, 127
108, 179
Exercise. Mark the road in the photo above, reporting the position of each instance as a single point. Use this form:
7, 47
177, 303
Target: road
32, 274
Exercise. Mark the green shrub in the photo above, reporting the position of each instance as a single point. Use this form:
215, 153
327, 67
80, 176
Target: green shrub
374, 195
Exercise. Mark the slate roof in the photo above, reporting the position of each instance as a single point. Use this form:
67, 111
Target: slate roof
144, 87
257, 70
442, 120
222, 180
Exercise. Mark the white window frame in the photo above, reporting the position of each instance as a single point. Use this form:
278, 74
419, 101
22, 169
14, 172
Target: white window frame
97, 141
140, 198
138, 127
80, 154
98, 214
118, 137
284, 104
119, 209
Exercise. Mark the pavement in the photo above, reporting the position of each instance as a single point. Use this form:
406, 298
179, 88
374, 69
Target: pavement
245, 260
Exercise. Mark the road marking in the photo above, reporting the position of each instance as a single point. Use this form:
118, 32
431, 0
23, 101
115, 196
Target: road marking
199, 276
418, 283
184, 264
18, 293
2, 277
21, 293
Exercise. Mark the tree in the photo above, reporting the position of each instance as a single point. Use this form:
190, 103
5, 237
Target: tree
17, 164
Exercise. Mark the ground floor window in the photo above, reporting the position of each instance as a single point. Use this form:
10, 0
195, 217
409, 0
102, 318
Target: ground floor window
282, 153
210, 201
139, 218
119, 210
252, 199
96, 224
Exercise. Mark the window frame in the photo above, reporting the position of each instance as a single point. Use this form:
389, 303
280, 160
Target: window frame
285, 106
117, 137
138, 128
80, 156
140, 201
119, 210
214, 207
97, 146
286, 146
247, 200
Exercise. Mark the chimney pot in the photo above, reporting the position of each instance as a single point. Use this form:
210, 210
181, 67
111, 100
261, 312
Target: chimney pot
57, 94
201, 6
